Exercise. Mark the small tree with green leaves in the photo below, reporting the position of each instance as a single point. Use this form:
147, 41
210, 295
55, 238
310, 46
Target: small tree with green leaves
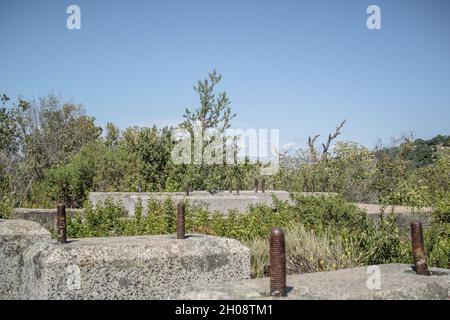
214, 113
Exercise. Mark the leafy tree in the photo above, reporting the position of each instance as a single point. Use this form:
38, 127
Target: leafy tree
96, 167
112, 134
152, 147
214, 113
37, 136
420, 152
56, 131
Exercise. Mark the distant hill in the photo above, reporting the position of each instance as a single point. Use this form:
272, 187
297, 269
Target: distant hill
422, 153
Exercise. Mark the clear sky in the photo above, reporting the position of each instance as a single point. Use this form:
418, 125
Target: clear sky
299, 66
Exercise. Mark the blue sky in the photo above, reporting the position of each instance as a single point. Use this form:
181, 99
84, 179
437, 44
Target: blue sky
300, 66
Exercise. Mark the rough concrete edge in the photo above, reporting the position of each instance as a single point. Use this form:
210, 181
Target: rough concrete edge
36, 290
27, 239
257, 289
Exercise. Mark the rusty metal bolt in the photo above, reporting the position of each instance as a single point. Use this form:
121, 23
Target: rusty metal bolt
418, 249
61, 223
180, 221
277, 263
263, 185
256, 185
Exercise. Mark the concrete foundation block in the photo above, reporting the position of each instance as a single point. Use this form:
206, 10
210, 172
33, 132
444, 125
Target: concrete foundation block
15, 237
221, 202
395, 282
45, 217
143, 267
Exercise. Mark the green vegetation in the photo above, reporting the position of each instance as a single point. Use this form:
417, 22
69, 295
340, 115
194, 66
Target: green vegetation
324, 233
52, 151
438, 236
423, 151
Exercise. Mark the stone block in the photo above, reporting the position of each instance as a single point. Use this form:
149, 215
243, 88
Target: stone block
142, 267
221, 202
45, 217
396, 282
15, 237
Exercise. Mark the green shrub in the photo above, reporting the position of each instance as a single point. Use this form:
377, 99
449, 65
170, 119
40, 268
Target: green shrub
364, 241
437, 237
381, 243
318, 229
441, 209
162, 217
6, 208
332, 211
104, 220
439, 247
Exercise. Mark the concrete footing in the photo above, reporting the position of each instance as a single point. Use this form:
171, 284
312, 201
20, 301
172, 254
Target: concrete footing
15, 237
382, 282
221, 202
145, 267
45, 217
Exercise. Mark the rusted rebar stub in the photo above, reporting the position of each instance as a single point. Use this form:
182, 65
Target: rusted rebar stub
263, 185
277, 263
418, 249
256, 185
180, 220
61, 223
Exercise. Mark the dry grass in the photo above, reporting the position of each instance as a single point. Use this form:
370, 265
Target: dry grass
305, 252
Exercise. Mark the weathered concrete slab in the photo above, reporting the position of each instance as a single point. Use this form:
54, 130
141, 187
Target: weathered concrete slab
376, 208
403, 215
222, 201
145, 267
15, 237
397, 282
45, 217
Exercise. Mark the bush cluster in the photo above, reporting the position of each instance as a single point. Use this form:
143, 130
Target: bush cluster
323, 233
